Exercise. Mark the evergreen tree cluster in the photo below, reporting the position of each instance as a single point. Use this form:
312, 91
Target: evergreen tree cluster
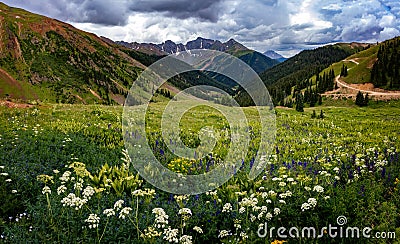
343, 71
311, 95
362, 100
164, 92
386, 71
320, 116
299, 102
325, 82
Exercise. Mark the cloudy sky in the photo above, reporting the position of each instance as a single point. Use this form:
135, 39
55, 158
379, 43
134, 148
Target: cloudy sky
285, 26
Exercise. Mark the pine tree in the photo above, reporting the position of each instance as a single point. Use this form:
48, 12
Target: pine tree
360, 99
299, 102
319, 100
314, 115
366, 100
321, 115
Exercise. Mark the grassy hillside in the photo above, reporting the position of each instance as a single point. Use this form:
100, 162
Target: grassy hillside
281, 78
42, 58
357, 73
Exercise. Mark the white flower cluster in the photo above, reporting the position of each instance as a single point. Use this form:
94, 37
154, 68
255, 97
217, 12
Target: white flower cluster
93, 221
185, 211
211, 193
61, 189
311, 203
227, 207
272, 193
73, 201
144, 193
66, 176
285, 194
79, 184
109, 212
224, 233
171, 235
185, 239
161, 217
318, 188
198, 229
264, 212
46, 190
236, 224
124, 212
118, 204
248, 202
243, 235
88, 192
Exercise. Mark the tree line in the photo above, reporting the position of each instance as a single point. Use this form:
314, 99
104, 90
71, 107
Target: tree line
386, 71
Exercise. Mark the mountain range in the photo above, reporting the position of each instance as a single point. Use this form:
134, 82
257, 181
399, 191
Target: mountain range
47, 60
254, 59
274, 55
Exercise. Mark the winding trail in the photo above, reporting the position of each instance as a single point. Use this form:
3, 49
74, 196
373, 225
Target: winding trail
344, 84
352, 90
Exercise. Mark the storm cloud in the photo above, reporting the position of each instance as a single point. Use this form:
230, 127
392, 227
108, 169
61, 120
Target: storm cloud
286, 26
208, 10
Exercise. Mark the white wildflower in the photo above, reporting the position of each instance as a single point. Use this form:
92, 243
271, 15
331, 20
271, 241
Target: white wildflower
312, 202
223, 233
243, 235
93, 221
109, 212
318, 189
185, 239
118, 204
124, 212
88, 192
61, 189
171, 235
73, 201
198, 229
185, 211
65, 176
46, 190
227, 207
305, 206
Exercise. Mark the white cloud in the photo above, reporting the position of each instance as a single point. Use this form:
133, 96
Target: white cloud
286, 26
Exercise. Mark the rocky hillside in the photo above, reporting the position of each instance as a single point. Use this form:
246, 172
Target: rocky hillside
45, 59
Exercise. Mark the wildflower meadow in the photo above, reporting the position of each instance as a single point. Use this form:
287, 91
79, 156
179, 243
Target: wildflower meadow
65, 177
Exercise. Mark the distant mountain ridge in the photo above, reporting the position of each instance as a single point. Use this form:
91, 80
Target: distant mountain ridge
254, 59
274, 55
170, 47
